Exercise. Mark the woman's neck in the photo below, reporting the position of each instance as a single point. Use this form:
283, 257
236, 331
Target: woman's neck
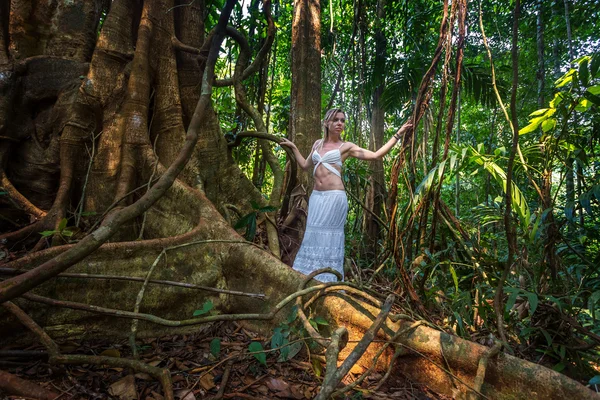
332, 139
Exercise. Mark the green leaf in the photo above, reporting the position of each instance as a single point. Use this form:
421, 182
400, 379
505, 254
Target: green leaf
321, 321
284, 351
566, 78
592, 303
245, 220
529, 128
47, 233
512, 299
539, 112
533, 302
594, 89
584, 74
556, 301
583, 105
594, 65
251, 231
290, 351
215, 347
569, 210
67, 233
313, 323
293, 314
547, 336
548, 125
206, 307
562, 351
268, 209
558, 98
62, 224
454, 276
559, 367
592, 97
255, 205
256, 348
277, 338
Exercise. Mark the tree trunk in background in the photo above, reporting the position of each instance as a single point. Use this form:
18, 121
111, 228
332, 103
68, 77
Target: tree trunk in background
541, 73
305, 114
375, 197
552, 232
570, 208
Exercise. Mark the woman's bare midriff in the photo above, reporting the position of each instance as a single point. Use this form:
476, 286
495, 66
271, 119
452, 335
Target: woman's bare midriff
326, 180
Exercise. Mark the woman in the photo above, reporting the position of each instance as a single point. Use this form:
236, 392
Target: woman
323, 243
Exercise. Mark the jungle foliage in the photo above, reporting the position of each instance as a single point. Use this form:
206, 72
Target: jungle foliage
552, 294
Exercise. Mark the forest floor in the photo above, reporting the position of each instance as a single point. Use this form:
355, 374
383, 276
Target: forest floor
195, 371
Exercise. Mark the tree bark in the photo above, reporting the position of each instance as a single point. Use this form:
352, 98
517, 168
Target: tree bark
376, 189
541, 73
305, 113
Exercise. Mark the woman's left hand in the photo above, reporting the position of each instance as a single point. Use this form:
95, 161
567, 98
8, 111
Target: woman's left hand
405, 128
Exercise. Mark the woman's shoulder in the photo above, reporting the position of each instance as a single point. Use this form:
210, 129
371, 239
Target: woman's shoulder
347, 145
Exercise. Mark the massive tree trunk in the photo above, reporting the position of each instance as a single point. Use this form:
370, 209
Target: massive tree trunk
92, 127
305, 114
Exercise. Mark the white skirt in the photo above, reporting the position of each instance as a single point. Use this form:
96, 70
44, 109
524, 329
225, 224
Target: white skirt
323, 243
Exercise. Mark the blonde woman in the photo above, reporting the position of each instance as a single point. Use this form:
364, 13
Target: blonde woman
323, 243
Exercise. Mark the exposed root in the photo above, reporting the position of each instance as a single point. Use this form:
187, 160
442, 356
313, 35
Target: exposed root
260, 296
482, 367
301, 314
333, 379
176, 323
18, 198
12, 384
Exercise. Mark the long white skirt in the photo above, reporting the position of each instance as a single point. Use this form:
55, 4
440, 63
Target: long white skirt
323, 243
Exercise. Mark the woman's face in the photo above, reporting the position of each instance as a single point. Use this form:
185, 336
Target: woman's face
337, 123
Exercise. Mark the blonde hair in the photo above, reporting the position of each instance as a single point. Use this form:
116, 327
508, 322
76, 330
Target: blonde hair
329, 115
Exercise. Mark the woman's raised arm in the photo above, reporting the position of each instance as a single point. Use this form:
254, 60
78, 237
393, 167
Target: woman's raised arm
368, 155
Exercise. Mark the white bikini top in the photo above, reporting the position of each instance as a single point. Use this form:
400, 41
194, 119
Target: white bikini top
331, 157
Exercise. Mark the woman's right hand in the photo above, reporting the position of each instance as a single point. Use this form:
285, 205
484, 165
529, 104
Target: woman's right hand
287, 143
